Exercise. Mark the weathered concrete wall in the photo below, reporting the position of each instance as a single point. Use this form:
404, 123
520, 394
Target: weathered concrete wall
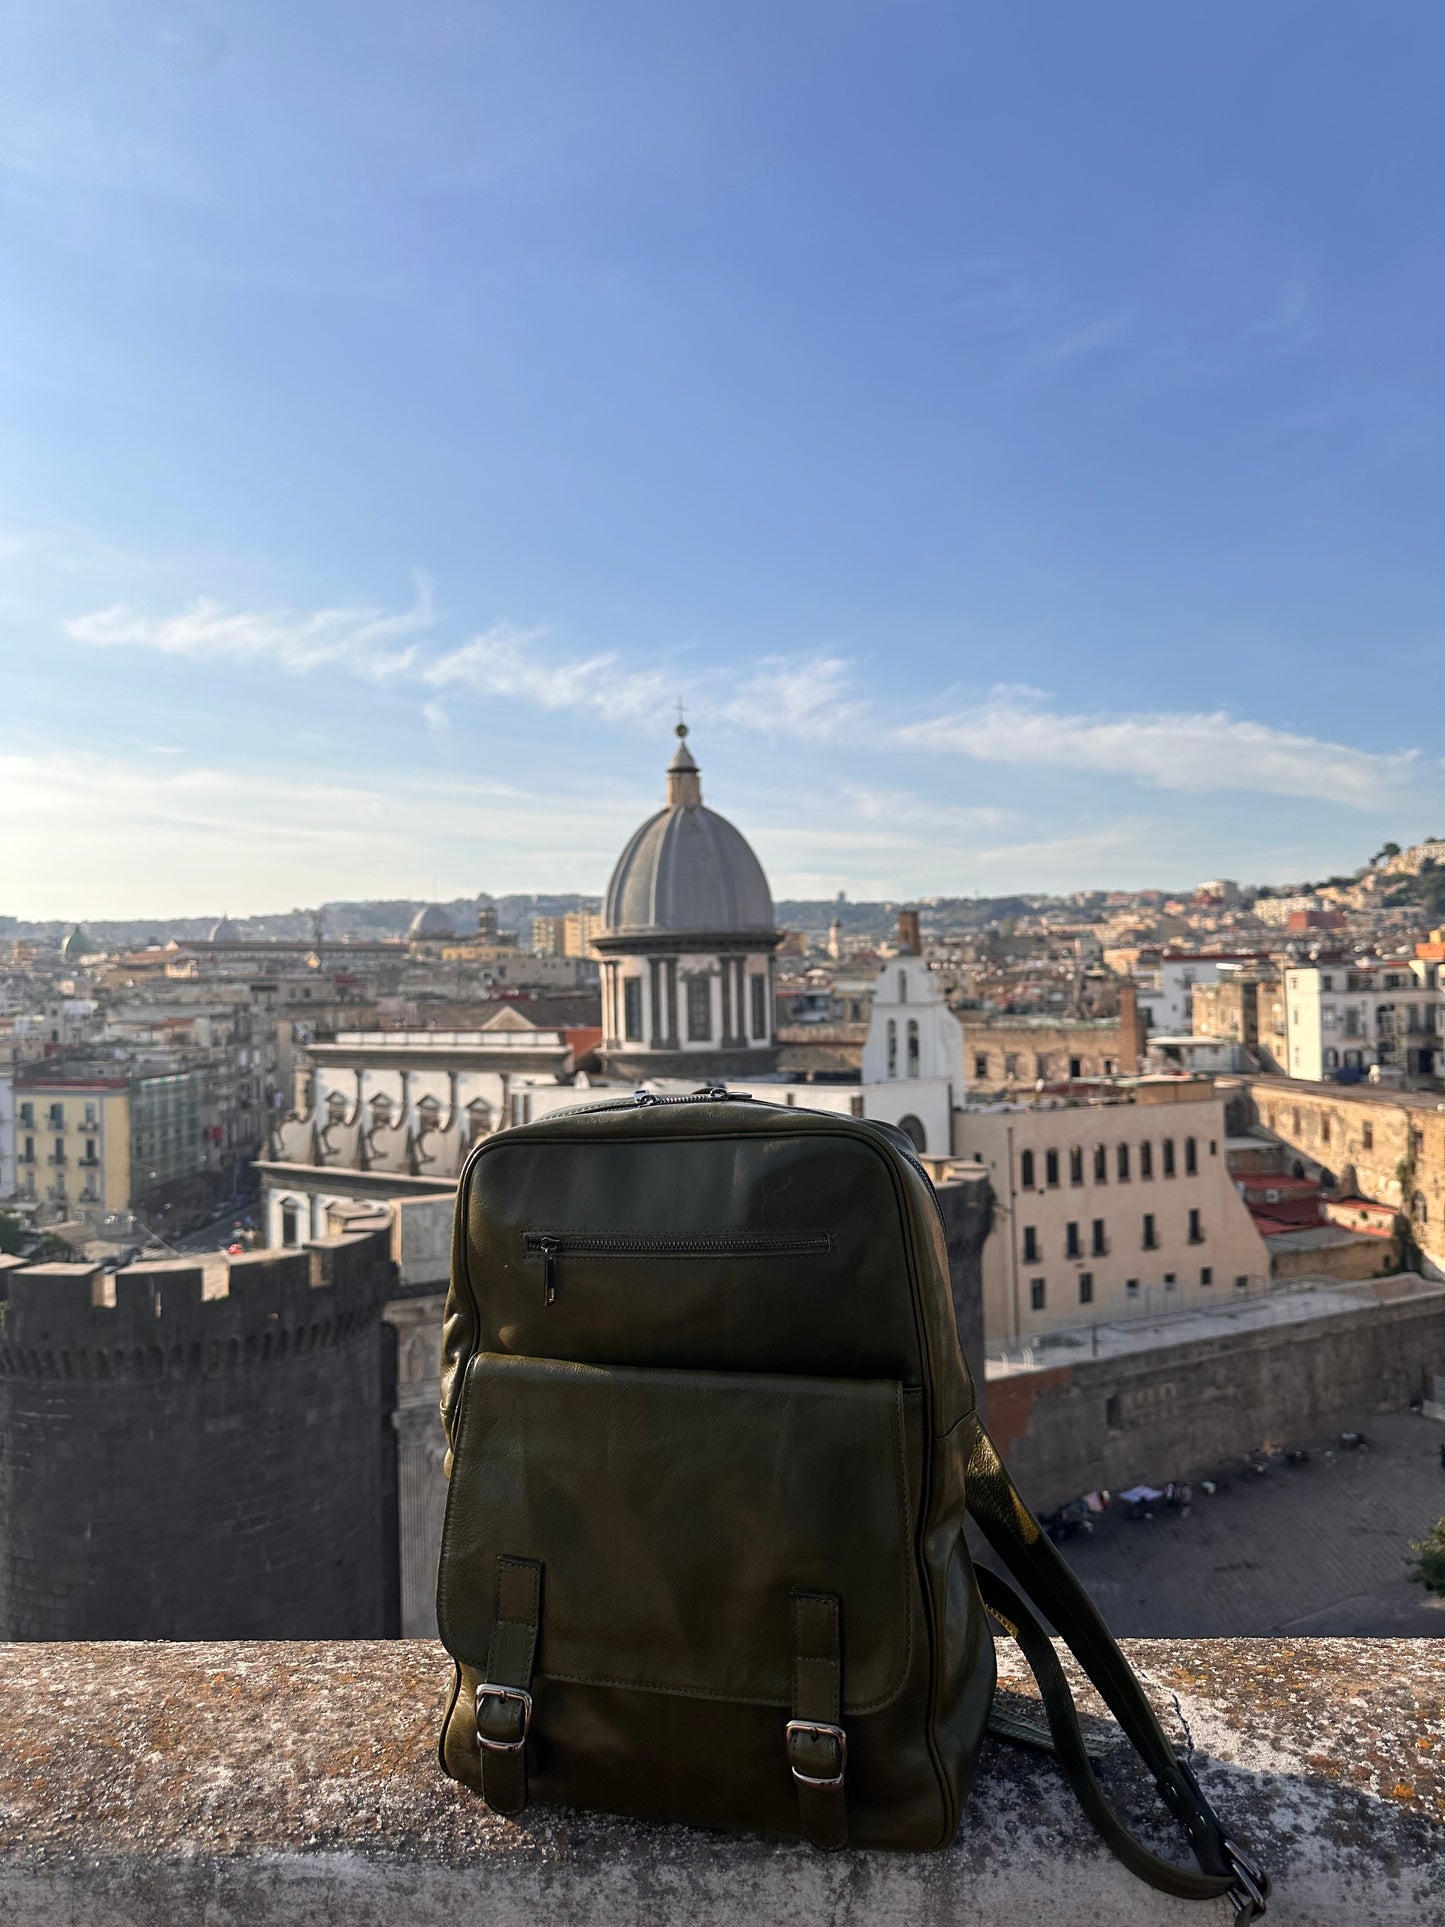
967, 1205
179, 1466
1111, 1422
161, 1786
1348, 1260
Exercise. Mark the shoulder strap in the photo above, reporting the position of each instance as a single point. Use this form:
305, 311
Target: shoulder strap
1015, 1535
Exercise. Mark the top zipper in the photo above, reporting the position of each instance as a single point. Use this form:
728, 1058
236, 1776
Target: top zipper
549, 1246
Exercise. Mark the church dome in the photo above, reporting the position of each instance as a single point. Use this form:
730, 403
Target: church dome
224, 932
687, 869
77, 945
430, 923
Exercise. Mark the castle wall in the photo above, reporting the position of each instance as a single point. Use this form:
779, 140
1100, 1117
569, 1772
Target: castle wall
181, 1466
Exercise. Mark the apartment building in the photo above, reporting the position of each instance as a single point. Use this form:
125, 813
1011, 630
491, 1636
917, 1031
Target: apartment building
1343, 1019
73, 1142
1109, 1210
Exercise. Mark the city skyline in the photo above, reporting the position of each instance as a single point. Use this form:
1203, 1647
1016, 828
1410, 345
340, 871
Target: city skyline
1016, 442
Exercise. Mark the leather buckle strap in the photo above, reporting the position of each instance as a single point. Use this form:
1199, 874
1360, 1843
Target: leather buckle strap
504, 1699
817, 1746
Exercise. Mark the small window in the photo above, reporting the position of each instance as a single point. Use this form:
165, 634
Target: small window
903, 986
1214, 1147
1121, 1164
1086, 1287
1114, 1407
980, 1065
1170, 1281
1151, 1236
1036, 1294
1146, 1160
1191, 1158
1098, 1242
760, 1005
699, 1009
1325, 1127
1367, 1137
27, 1114
1076, 1166
1241, 1283
1051, 1168
1076, 1067
1196, 1230
1010, 1063
1031, 1244
1206, 1274
1101, 1165
1168, 1152
913, 1047
1072, 1247
1026, 1170
893, 1047
1131, 1287
632, 1009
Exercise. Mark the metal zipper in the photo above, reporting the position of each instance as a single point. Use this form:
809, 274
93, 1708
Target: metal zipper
549, 1246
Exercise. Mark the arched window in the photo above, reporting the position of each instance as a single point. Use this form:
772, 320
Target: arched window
903, 986
1419, 1210
892, 1047
913, 1047
1026, 1170
1076, 1165
912, 1127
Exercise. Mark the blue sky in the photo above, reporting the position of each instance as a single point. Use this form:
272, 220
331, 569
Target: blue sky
1014, 431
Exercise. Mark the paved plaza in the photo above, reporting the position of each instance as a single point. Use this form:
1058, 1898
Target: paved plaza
1319, 1548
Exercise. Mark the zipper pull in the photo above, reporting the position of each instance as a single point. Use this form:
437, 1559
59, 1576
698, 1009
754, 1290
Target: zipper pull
549, 1247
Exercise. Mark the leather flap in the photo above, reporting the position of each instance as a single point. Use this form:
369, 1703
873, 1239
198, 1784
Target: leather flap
675, 1513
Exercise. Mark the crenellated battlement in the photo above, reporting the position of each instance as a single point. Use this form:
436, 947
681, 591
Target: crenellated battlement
190, 1446
169, 1319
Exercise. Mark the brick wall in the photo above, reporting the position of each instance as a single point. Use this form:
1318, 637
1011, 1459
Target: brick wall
186, 1467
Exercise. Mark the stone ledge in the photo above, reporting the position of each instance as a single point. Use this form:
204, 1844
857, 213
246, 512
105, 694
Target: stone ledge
142, 1785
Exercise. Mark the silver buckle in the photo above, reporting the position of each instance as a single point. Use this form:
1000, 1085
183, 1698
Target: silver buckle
486, 1690
817, 1730
1249, 1882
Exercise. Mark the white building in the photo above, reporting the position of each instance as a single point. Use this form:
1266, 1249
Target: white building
1166, 989
1343, 1020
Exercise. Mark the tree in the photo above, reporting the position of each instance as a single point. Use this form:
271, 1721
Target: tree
1385, 852
12, 1233
1429, 1567
53, 1251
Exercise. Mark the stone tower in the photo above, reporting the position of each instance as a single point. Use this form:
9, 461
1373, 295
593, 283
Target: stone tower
181, 1466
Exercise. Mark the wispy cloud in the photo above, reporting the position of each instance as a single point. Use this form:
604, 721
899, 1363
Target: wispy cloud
367, 641
811, 697
212, 836
508, 661
1170, 749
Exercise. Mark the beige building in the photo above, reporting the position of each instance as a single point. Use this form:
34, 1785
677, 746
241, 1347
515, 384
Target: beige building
73, 1144
1106, 1211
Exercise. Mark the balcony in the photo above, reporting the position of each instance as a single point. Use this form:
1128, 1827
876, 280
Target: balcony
1325, 1756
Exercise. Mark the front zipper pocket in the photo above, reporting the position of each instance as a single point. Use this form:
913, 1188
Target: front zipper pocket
551, 1246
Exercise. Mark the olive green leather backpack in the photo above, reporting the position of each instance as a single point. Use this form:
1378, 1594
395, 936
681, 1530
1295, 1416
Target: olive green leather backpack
713, 1446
